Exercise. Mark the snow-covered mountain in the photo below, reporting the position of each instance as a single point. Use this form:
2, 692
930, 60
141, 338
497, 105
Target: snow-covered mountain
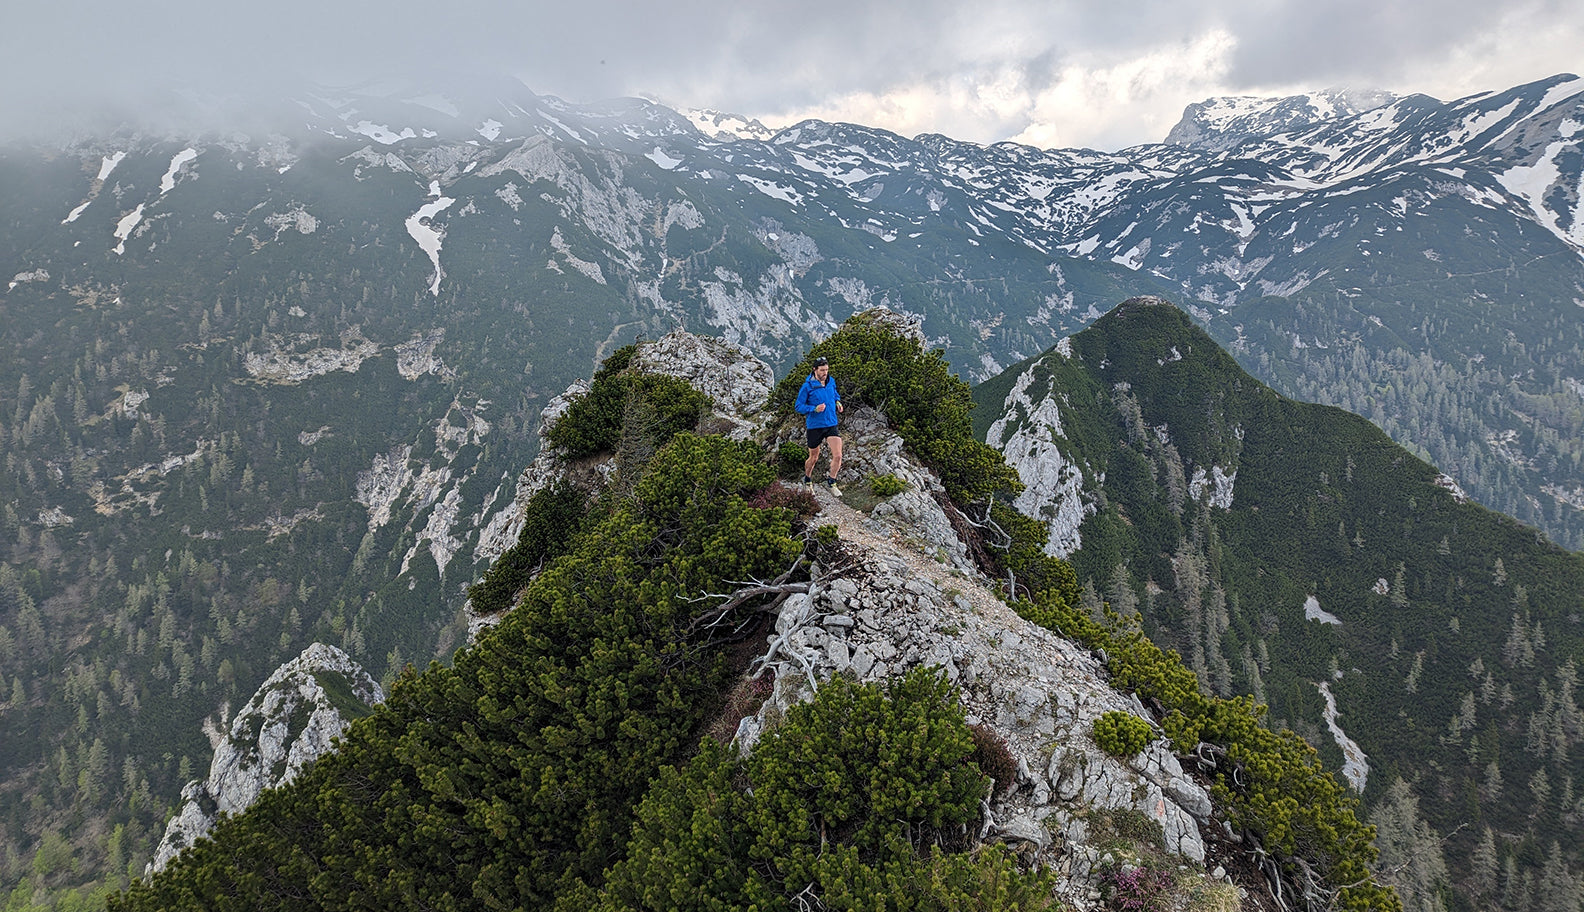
1220, 124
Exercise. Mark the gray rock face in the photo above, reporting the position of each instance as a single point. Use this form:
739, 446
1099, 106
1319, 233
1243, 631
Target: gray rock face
908, 326
1040, 692
1219, 124
1029, 435
737, 383
290, 721
915, 516
899, 609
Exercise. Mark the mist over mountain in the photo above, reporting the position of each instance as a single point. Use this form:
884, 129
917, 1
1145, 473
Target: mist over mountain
272, 384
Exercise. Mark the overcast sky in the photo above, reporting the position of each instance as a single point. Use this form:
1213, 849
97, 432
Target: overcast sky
1052, 73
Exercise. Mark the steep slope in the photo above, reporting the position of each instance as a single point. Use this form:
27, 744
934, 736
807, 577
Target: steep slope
553, 765
1293, 552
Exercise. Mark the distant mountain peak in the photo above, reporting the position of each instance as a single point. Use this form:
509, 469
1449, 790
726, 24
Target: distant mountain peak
722, 125
1221, 123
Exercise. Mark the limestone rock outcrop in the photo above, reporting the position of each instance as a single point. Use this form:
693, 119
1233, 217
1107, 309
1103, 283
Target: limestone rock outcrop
291, 720
894, 608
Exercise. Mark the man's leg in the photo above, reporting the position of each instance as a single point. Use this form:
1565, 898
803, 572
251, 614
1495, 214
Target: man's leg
811, 462
835, 443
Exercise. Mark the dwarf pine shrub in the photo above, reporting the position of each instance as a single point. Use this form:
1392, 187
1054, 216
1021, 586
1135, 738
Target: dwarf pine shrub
1121, 734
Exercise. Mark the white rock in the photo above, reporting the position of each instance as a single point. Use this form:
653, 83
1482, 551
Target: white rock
260, 752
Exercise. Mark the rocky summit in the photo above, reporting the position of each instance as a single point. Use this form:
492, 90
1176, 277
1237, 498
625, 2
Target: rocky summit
292, 720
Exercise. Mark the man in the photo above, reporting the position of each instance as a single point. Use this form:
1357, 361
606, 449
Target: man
819, 404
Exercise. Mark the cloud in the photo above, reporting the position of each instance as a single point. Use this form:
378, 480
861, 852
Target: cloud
1049, 72
1072, 73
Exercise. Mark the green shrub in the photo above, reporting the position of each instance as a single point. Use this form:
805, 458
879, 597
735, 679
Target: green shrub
1281, 793
594, 423
886, 485
1122, 734
511, 778
857, 800
1031, 570
550, 522
790, 458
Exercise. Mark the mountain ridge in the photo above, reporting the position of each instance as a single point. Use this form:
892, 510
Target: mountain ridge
1293, 552
883, 597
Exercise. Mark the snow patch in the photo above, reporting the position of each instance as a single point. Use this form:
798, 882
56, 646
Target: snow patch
125, 226
429, 237
380, 133
665, 161
1475, 124
1134, 258
772, 189
168, 182
1355, 763
1313, 612
1532, 184
109, 164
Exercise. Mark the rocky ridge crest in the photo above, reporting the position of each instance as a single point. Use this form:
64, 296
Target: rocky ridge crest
291, 720
907, 594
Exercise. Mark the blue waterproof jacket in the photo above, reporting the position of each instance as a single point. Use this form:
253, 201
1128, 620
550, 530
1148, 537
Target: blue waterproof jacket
809, 398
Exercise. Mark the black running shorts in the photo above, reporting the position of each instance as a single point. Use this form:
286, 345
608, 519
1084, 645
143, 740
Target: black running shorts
816, 436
